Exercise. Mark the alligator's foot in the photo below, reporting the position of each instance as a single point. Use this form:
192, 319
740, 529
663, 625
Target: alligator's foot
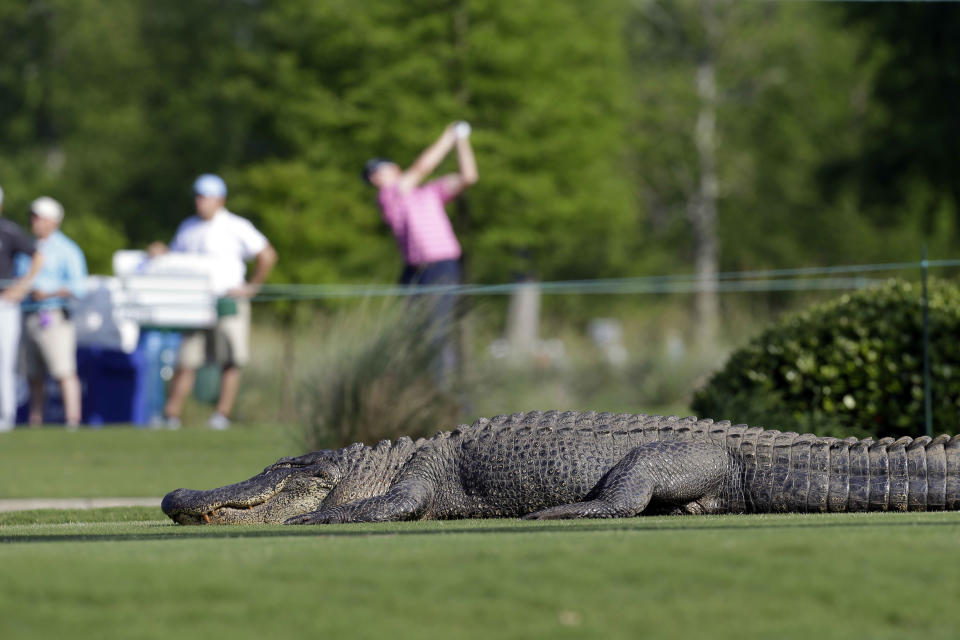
662, 472
324, 516
406, 500
589, 509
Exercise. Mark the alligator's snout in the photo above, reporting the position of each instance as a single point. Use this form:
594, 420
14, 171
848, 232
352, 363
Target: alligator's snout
172, 500
179, 505
270, 497
186, 506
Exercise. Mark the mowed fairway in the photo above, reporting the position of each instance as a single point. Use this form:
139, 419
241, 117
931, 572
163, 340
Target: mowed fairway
98, 574
123, 461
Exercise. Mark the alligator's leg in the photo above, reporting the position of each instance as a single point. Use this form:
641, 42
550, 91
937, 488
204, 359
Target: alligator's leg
676, 473
406, 500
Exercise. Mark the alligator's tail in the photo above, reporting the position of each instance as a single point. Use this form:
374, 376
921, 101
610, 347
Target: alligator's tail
790, 472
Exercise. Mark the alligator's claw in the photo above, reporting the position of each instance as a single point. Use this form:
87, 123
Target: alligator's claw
328, 516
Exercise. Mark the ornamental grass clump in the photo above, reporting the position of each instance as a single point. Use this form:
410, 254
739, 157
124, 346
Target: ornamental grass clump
375, 374
852, 366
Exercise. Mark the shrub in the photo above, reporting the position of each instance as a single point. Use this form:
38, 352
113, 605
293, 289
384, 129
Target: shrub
374, 375
852, 366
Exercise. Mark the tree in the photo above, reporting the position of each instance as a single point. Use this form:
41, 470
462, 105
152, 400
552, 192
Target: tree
908, 166
585, 121
740, 109
337, 83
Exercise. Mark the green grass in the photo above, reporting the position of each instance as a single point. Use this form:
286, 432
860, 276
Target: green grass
787, 576
129, 573
121, 461
112, 515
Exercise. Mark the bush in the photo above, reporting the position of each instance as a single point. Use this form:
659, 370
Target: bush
853, 366
374, 375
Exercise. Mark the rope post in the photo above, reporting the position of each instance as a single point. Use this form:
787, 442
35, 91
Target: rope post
927, 403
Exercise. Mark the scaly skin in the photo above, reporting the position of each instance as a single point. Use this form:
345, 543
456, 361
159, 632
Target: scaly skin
587, 465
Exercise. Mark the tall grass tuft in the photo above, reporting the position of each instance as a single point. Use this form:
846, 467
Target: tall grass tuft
375, 374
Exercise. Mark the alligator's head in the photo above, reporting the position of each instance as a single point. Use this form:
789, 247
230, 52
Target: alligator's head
289, 487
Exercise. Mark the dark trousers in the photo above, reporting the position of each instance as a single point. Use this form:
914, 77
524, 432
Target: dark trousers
443, 272
442, 307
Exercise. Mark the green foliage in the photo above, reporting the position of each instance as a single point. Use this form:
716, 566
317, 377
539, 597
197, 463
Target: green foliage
114, 110
543, 90
98, 239
374, 375
853, 366
793, 99
916, 100
583, 112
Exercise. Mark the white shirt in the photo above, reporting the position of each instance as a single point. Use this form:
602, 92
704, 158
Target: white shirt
232, 240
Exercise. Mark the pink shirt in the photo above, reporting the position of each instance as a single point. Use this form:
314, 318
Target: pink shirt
420, 223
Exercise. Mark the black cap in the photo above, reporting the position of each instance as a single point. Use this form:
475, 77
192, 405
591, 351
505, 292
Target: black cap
372, 165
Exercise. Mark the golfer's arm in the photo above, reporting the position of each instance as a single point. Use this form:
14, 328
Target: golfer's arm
457, 183
467, 163
431, 157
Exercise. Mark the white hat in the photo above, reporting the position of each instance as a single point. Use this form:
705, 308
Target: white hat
46, 207
210, 185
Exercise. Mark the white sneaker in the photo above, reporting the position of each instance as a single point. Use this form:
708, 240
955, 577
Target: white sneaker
171, 423
219, 422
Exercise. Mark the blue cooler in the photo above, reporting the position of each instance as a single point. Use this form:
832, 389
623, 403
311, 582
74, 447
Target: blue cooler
114, 385
117, 387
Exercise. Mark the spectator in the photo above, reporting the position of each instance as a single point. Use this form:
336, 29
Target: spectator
13, 241
234, 241
416, 215
50, 338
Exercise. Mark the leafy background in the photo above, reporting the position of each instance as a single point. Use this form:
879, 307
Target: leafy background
834, 122
852, 366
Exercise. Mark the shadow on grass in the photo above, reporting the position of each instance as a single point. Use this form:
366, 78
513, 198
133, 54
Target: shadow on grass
176, 532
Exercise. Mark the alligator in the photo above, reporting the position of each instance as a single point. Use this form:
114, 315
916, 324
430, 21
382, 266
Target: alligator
552, 465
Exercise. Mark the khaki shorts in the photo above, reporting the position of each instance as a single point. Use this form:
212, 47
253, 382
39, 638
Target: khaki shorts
227, 344
49, 344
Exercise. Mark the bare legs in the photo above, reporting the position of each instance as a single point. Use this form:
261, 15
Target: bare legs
182, 385
37, 397
69, 388
229, 385
180, 388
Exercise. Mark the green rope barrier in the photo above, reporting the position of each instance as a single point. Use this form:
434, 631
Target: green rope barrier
754, 281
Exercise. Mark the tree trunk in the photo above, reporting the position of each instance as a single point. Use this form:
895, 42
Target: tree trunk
703, 209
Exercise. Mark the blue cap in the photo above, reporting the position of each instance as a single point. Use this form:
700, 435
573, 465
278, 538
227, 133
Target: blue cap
373, 164
210, 185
